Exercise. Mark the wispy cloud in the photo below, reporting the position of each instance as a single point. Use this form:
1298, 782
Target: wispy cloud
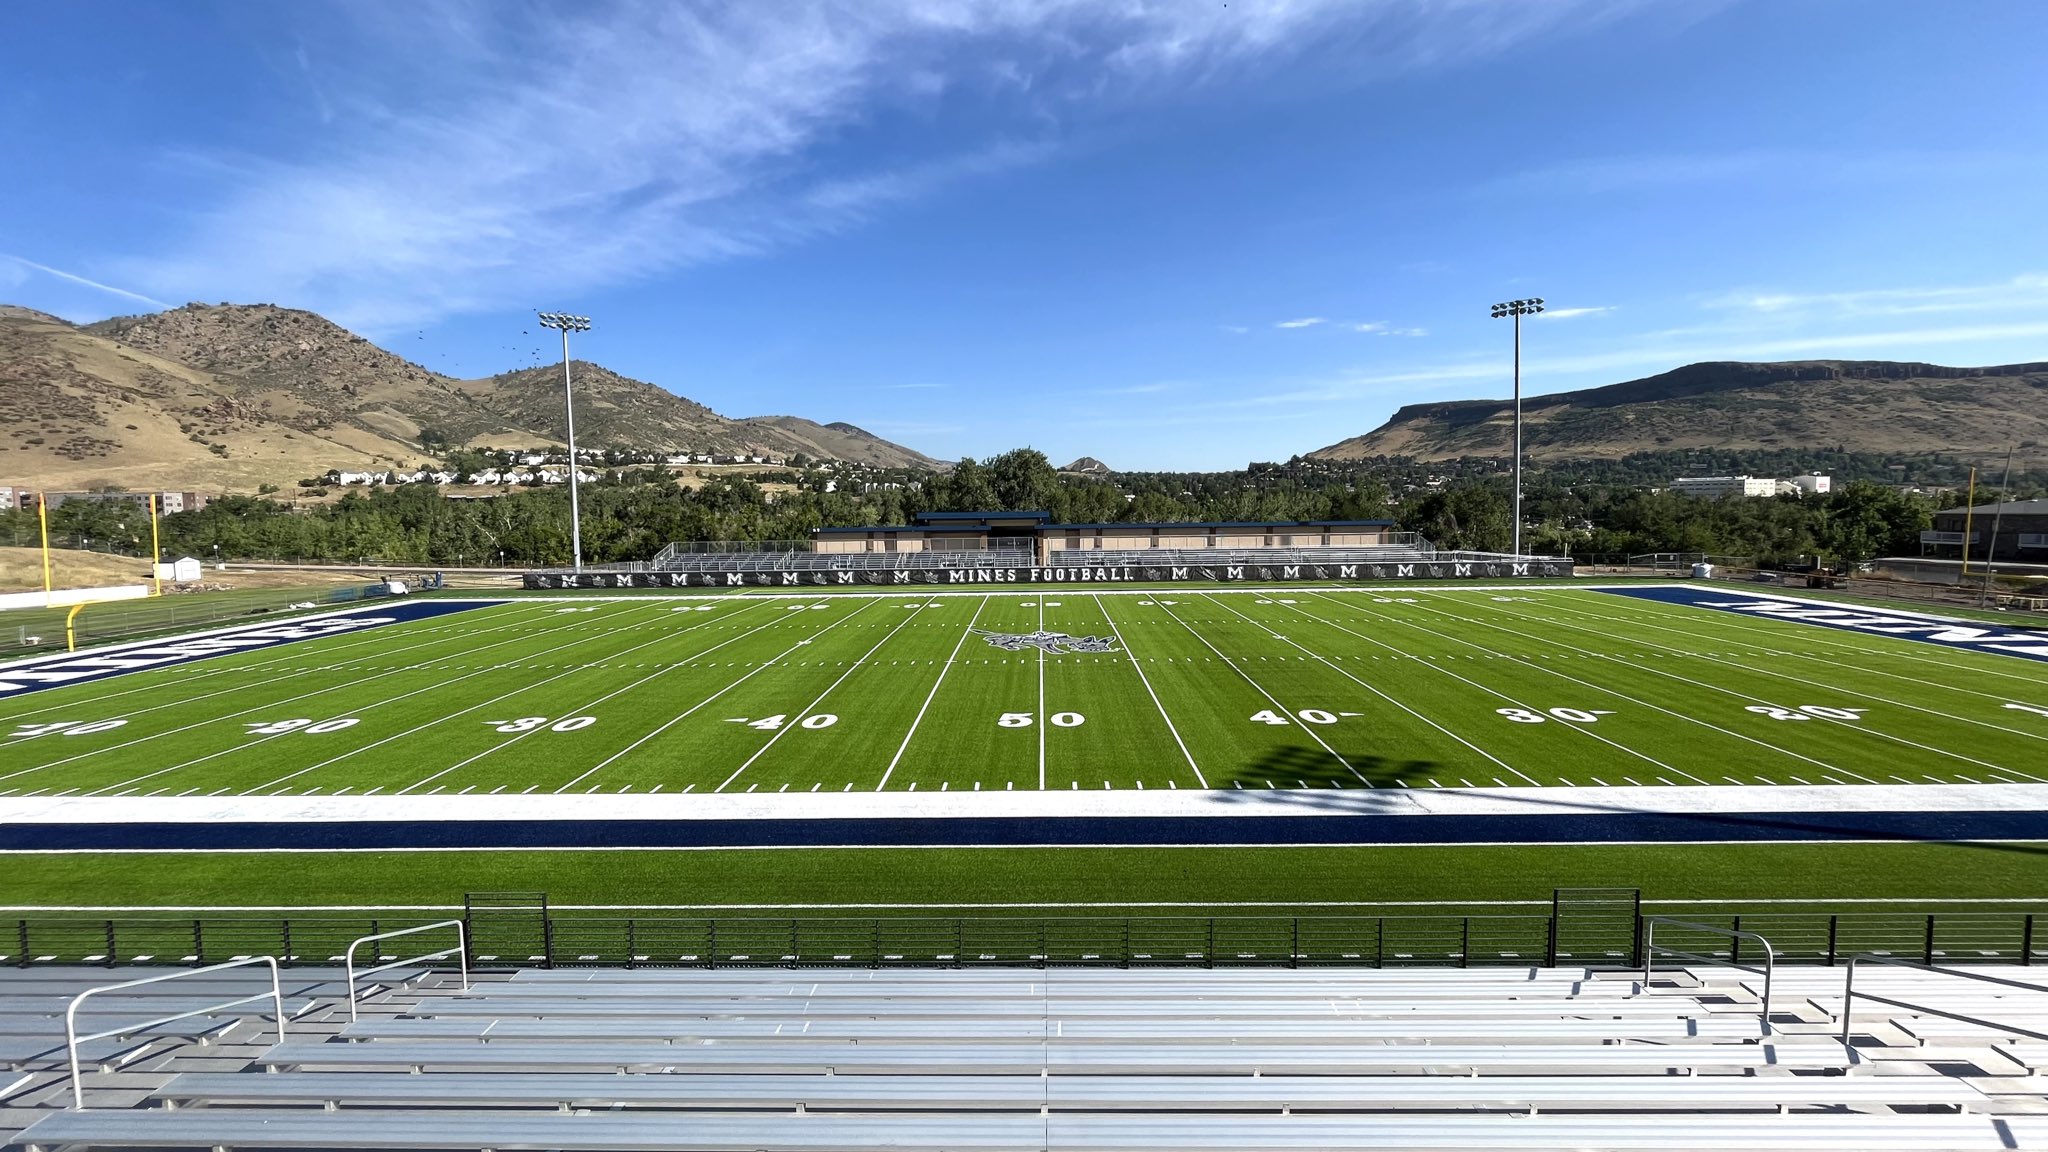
1142, 389
1304, 322
1381, 328
2020, 293
74, 278
1233, 329
1599, 175
1573, 313
911, 387
485, 155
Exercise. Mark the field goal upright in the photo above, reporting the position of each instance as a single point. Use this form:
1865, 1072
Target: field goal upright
508, 928
1596, 927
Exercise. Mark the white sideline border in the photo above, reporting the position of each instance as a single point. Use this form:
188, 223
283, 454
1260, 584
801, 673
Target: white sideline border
160, 639
761, 592
1293, 803
1013, 905
944, 591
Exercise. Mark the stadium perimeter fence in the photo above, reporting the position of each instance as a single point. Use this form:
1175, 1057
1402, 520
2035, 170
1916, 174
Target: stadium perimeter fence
1487, 939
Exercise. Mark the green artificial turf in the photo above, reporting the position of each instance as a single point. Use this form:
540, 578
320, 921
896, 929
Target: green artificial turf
1280, 699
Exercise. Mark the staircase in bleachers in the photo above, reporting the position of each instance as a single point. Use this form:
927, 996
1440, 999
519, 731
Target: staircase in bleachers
1532, 1058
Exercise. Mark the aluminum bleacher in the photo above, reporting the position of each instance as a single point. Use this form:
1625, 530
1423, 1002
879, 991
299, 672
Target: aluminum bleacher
1012, 1059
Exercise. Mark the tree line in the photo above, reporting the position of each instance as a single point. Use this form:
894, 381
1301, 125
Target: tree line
629, 514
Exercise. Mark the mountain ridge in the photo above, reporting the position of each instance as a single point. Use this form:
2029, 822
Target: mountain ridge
1859, 405
239, 395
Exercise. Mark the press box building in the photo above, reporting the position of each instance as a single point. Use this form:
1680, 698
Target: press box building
1035, 533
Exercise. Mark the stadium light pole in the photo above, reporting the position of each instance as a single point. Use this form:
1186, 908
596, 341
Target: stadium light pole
566, 323
1518, 309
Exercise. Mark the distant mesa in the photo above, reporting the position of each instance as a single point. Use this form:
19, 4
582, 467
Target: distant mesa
1087, 466
1874, 406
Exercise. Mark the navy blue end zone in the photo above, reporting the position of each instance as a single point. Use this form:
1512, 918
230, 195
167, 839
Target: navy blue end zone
1594, 828
2029, 644
65, 668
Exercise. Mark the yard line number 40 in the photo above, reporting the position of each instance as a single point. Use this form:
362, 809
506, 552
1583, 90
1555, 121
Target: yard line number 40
63, 728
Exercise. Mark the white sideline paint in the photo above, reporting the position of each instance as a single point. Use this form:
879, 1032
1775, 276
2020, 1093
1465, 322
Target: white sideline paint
1251, 587
1308, 804
242, 626
1899, 902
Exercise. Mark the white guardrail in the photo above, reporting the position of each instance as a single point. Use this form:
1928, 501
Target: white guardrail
72, 1039
461, 949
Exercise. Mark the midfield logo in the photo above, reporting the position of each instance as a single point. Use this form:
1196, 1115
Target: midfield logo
1054, 642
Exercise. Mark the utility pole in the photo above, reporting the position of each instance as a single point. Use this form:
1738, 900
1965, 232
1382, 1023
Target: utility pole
1518, 309
566, 323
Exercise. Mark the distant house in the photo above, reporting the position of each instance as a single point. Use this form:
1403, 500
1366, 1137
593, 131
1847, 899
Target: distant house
183, 570
2021, 528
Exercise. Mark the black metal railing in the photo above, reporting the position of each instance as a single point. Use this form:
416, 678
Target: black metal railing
560, 939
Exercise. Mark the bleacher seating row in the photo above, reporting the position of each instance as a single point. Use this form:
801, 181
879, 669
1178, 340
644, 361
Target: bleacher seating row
999, 1059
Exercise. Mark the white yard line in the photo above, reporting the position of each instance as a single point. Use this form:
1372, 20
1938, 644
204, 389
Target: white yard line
378, 704
1260, 689
581, 708
684, 715
1822, 632
1856, 726
801, 716
1805, 681
322, 690
1133, 658
288, 654
1633, 700
1042, 720
1504, 765
1495, 692
932, 695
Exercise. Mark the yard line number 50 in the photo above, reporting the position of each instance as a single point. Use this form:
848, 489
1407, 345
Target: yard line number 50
1027, 719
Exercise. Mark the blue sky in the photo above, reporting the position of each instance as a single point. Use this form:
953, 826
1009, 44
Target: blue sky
1172, 234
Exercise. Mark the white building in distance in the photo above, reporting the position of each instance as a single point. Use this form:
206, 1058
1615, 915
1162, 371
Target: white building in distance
1722, 487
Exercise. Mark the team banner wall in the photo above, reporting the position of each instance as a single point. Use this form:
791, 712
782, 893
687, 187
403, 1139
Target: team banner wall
1127, 574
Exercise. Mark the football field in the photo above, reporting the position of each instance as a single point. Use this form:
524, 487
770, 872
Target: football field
1298, 691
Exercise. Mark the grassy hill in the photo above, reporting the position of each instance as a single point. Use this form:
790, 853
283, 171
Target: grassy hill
228, 397
1853, 406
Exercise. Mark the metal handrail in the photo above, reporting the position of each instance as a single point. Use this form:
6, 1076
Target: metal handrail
1849, 994
72, 1039
461, 950
1651, 948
